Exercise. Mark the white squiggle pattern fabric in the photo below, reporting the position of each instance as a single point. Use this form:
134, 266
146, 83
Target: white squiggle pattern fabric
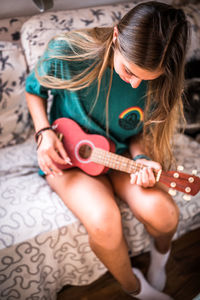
43, 245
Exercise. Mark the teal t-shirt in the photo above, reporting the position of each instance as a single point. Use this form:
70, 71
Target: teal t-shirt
126, 104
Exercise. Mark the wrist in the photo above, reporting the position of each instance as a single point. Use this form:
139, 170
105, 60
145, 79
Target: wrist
39, 133
141, 156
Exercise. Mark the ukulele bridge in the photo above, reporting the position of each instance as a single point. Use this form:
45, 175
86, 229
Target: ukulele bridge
60, 136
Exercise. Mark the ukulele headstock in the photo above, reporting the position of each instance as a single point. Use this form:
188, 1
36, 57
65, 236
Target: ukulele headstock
183, 182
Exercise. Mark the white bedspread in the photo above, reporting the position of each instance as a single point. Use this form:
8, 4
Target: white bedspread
43, 245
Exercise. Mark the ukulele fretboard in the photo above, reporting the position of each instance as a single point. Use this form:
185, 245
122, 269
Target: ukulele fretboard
114, 161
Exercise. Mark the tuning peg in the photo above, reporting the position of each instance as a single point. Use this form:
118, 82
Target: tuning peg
187, 189
173, 184
187, 197
176, 175
194, 172
191, 179
172, 192
180, 168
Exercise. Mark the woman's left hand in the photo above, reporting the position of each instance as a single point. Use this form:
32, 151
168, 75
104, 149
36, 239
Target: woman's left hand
145, 177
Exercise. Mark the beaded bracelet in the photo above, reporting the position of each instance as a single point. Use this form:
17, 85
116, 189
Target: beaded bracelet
39, 132
141, 156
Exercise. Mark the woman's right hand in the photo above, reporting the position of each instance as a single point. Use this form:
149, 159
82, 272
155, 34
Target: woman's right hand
51, 151
145, 177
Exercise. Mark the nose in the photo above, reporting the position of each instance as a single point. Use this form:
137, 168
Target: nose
135, 82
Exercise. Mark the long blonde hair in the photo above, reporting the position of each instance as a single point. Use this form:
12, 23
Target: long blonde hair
153, 35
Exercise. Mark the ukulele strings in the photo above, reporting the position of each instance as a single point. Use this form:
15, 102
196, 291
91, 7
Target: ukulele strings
115, 159
112, 158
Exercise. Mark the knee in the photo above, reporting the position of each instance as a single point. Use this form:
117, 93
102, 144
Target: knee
105, 228
102, 219
162, 213
170, 220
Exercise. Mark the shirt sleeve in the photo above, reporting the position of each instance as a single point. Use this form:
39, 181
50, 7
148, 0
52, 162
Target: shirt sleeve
48, 64
34, 87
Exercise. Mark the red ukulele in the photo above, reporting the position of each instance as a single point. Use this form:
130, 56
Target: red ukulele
94, 154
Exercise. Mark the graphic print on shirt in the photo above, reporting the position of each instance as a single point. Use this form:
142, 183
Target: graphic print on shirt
131, 117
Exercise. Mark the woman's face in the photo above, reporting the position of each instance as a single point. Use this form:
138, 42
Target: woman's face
131, 73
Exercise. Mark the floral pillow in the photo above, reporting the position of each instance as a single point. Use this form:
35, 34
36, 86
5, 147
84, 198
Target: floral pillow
39, 29
14, 116
192, 12
10, 29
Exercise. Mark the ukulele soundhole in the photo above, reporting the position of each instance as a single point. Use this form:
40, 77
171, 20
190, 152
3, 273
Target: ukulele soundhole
85, 151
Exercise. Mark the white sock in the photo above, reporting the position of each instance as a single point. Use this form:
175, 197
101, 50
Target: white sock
147, 292
156, 274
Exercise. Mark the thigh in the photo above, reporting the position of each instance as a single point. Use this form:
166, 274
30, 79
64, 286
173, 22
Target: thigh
152, 206
91, 199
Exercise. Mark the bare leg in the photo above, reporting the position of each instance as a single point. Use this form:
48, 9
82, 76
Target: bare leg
159, 214
154, 207
91, 199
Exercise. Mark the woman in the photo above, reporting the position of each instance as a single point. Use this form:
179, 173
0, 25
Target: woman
123, 82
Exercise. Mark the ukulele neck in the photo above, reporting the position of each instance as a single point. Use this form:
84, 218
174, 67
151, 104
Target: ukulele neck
117, 162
